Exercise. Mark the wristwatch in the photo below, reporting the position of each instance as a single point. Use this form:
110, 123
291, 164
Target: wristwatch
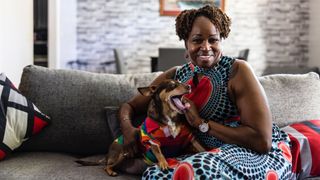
204, 126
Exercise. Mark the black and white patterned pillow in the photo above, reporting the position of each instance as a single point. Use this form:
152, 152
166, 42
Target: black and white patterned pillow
19, 117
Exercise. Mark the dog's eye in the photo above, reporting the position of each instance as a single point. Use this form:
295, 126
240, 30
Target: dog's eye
172, 86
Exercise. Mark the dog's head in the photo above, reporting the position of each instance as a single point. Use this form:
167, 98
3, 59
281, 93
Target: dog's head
166, 98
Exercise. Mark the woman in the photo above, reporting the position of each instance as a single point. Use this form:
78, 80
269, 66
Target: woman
227, 107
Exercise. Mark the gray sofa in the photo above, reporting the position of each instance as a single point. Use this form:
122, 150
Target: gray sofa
83, 108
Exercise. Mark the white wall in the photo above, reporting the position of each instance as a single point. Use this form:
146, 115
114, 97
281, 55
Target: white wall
16, 37
314, 48
62, 32
53, 33
68, 31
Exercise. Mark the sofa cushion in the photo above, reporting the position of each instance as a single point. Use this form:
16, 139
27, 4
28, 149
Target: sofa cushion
113, 120
305, 140
75, 101
292, 98
48, 165
19, 117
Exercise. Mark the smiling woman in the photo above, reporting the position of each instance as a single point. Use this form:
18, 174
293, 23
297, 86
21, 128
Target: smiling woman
174, 7
227, 108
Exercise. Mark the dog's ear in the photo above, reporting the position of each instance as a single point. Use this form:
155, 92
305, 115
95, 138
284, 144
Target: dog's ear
147, 91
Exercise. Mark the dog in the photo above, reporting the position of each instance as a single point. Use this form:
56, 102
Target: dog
163, 133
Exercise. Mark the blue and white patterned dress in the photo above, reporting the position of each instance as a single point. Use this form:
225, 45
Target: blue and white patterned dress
225, 161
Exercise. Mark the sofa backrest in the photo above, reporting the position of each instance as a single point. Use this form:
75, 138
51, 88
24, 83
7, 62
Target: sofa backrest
292, 97
75, 101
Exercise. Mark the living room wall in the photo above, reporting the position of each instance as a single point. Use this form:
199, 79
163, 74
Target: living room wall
275, 31
16, 37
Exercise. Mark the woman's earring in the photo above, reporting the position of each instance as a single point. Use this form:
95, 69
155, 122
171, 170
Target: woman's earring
186, 55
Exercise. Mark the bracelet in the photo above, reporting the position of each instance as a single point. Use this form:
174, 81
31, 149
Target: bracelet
125, 119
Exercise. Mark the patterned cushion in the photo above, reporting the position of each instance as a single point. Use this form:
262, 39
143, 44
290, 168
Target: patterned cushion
305, 140
19, 118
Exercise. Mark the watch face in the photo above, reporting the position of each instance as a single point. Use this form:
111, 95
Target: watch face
204, 127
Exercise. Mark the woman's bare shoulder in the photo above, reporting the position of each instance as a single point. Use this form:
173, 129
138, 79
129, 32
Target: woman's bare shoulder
239, 68
242, 77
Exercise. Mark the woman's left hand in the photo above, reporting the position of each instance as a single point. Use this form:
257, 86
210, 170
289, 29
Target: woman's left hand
191, 113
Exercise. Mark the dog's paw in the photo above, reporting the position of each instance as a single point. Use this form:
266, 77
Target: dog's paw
163, 165
110, 172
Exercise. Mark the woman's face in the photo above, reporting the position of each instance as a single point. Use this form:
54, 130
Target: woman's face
203, 43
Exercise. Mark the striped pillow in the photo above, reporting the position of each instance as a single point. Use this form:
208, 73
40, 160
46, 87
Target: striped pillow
305, 148
19, 118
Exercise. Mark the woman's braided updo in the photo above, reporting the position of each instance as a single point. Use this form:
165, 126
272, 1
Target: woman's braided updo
185, 19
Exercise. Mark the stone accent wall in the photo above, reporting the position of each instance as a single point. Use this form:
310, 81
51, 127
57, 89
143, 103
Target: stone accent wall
275, 31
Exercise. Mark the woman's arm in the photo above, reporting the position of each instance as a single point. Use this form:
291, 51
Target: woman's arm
135, 106
255, 131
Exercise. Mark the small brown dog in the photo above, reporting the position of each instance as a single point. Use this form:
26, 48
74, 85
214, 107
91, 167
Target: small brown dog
163, 133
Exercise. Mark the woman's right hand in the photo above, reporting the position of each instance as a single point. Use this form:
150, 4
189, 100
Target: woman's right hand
130, 141
191, 113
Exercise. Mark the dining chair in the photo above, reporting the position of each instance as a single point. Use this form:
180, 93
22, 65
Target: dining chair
121, 65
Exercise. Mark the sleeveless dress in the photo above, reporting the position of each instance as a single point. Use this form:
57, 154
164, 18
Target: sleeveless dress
224, 161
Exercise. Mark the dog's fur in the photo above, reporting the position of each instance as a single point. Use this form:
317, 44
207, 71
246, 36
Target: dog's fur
162, 109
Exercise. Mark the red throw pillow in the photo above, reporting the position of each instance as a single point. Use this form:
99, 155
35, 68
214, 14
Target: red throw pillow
305, 148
